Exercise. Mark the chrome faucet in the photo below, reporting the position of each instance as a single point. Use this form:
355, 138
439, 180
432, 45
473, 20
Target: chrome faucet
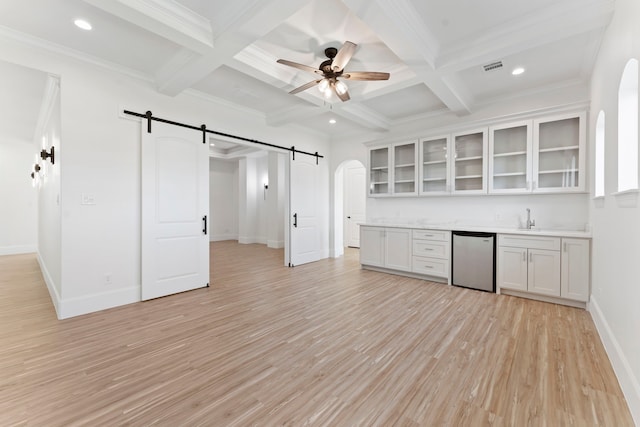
530, 223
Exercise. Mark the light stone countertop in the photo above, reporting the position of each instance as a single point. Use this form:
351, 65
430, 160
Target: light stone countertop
485, 228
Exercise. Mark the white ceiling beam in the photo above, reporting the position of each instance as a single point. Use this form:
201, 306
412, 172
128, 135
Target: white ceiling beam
363, 116
555, 23
257, 21
292, 115
166, 18
398, 25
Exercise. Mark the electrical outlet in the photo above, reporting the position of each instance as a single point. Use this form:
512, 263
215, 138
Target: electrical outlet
108, 279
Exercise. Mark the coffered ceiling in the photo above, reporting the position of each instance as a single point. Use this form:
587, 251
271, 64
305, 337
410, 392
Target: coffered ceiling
434, 49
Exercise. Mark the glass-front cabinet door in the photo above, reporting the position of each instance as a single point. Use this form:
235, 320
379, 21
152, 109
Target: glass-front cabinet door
559, 153
434, 166
509, 157
468, 165
404, 168
379, 160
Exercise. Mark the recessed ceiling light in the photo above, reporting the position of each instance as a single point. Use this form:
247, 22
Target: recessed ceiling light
332, 121
517, 71
81, 23
212, 144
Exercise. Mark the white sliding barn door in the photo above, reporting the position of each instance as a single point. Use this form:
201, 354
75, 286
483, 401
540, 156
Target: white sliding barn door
175, 210
305, 204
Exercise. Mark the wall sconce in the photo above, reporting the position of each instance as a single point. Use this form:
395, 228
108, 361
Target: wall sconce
266, 187
44, 155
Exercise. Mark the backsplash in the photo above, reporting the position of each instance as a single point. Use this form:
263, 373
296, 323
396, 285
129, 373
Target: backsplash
550, 211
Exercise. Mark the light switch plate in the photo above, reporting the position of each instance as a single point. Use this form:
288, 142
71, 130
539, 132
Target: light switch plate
88, 199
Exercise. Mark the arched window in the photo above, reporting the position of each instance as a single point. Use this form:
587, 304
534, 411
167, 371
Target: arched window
599, 190
628, 128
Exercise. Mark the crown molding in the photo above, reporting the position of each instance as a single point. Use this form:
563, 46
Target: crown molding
38, 43
165, 18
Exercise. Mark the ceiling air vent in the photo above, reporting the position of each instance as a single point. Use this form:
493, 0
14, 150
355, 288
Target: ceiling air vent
492, 66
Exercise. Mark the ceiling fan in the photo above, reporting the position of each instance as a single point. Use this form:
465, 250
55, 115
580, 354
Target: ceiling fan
332, 69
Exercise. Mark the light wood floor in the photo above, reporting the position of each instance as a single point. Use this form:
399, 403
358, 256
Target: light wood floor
320, 344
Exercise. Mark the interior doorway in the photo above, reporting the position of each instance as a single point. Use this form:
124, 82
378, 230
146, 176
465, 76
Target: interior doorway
350, 204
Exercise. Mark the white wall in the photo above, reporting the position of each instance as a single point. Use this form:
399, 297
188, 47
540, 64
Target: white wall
223, 199
275, 200
102, 157
616, 230
19, 206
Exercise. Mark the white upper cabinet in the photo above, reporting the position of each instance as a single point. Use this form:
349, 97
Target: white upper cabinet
433, 166
544, 155
559, 153
405, 172
510, 163
379, 176
469, 166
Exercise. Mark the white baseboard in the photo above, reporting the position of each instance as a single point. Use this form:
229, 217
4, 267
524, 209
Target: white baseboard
275, 244
249, 240
17, 250
222, 237
628, 382
48, 280
72, 307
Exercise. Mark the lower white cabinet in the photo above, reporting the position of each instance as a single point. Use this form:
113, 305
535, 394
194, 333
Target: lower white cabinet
544, 272
530, 270
552, 267
576, 259
372, 246
549, 266
431, 252
424, 252
397, 248
385, 247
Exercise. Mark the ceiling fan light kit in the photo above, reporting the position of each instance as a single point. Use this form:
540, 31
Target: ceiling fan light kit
332, 69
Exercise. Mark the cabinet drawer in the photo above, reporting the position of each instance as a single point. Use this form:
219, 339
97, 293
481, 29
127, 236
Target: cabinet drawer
431, 266
531, 242
431, 249
439, 235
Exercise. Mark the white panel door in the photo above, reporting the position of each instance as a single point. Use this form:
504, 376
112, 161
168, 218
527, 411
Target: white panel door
355, 203
175, 209
305, 204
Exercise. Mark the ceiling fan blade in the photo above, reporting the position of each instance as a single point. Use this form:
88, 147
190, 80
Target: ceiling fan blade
343, 56
299, 66
366, 75
305, 86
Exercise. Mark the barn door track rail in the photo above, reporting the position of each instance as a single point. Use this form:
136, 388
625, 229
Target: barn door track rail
203, 128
